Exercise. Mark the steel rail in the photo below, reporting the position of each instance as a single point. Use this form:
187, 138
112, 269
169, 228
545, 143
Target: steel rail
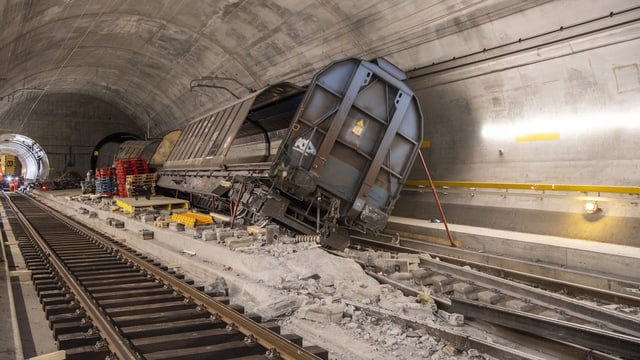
570, 281
620, 322
613, 343
616, 321
488, 347
276, 344
503, 267
114, 340
460, 340
593, 341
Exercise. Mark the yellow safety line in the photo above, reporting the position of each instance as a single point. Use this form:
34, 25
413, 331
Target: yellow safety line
535, 187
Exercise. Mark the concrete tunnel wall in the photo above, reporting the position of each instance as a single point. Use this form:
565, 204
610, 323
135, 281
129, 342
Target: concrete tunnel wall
68, 126
568, 120
568, 117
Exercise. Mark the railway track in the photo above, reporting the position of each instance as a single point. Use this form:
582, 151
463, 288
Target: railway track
104, 300
524, 302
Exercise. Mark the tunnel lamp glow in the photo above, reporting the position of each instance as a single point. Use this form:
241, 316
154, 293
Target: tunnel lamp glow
591, 207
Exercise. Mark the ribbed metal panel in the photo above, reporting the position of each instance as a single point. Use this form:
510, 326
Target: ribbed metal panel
204, 142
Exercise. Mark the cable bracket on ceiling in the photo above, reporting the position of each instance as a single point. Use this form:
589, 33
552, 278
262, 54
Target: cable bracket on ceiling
208, 81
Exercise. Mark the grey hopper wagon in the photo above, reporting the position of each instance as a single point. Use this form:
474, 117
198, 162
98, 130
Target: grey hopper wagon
317, 160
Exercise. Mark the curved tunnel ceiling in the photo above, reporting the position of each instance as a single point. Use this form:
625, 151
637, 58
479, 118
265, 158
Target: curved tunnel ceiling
140, 55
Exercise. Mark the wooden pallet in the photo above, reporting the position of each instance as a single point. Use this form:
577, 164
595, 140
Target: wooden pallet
133, 205
161, 224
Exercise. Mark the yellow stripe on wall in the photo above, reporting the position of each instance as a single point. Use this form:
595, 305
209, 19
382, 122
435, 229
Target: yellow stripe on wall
635, 190
425, 144
545, 136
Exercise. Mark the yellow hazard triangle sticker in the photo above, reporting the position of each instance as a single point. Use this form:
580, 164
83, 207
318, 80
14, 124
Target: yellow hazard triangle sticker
358, 128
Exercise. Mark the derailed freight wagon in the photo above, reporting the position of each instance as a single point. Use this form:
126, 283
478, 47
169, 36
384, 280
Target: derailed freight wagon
315, 160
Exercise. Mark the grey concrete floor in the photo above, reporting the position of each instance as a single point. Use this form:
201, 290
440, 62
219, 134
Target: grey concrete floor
7, 344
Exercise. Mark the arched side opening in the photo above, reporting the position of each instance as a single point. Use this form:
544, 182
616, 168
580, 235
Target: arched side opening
33, 160
102, 149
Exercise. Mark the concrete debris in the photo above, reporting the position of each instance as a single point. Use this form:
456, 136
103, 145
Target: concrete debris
118, 224
272, 234
450, 350
419, 275
147, 218
329, 313
218, 287
176, 226
255, 230
391, 265
235, 243
413, 260
312, 275
268, 302
401, 276
240, 233
516, 304
195, 232
464, 291
452, 319
489, 297
223, 234
145, 234
442, 284
266, 271
209, 235
373, 336
474, 354
384, 261
393, 300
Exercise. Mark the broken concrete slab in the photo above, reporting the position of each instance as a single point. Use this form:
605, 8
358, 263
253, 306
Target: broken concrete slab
452, 319
516, 304
235, 243
464, 291
175, 226
209, 235
489, 297
391, 265
442, 284
145, 234
329, 313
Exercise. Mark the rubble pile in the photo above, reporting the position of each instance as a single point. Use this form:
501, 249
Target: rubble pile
327, 299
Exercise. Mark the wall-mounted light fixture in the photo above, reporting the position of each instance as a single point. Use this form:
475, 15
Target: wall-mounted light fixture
591, 206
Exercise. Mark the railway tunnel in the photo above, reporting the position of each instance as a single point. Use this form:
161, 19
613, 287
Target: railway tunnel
516, 158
